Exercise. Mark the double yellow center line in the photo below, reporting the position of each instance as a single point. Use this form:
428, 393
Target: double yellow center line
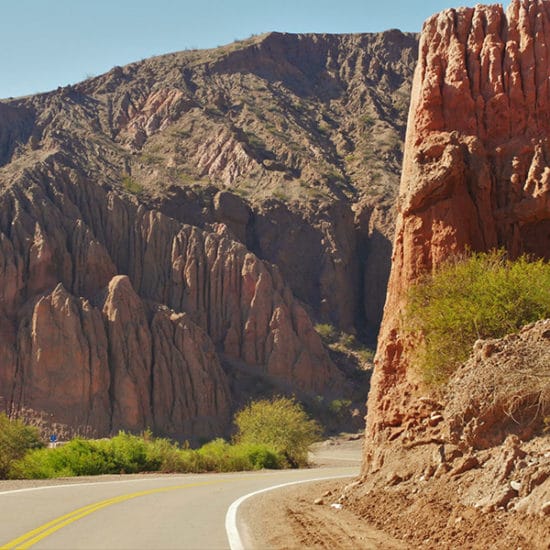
36, 535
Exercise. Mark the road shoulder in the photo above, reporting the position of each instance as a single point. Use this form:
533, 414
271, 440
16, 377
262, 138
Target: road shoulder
289, 518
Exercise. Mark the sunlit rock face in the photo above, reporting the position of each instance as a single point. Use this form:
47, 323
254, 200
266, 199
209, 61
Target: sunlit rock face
476, 170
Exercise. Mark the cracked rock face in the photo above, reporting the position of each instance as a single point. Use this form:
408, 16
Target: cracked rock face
476, 165
191, 174
115, 316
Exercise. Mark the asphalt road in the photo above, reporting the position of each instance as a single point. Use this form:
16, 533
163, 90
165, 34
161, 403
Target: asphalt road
157, 512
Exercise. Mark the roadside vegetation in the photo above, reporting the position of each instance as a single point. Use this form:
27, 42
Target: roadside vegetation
16, 439
270, 434
484, 295
282, 424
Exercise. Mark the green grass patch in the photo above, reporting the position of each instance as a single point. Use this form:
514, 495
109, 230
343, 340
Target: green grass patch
484, 295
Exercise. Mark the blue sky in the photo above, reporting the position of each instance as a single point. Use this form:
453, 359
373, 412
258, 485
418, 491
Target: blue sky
50, 43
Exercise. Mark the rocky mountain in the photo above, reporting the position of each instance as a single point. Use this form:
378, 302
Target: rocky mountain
170, 231
475, 175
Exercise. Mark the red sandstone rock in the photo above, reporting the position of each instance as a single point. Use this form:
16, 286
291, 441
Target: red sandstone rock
476, 171
115, 316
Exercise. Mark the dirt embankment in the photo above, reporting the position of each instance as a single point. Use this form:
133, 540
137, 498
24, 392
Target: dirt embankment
408, 514
468, 469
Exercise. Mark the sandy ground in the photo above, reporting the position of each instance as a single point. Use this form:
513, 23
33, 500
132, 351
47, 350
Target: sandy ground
289, 519
309, 515
395, 516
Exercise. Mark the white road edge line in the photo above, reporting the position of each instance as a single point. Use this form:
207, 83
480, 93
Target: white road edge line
65, 485
231, 529
183, 477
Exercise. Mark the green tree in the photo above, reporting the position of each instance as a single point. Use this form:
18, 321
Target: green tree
280, 423
481, 296
16, 438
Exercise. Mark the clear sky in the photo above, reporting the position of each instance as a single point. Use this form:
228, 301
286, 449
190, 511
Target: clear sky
49, 43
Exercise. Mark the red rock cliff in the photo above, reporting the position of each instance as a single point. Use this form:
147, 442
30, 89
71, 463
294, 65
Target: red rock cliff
476, 169
115, 316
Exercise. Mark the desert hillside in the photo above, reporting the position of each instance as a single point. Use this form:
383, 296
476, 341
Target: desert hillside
171, 231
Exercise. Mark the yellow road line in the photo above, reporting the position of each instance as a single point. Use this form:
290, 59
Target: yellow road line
32, 537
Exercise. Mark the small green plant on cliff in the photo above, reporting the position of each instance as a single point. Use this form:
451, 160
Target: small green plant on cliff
327, 332
484, 295
131, 185
16, 439
281, 424
344, 342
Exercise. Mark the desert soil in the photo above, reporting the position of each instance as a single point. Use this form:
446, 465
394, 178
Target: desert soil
303, 516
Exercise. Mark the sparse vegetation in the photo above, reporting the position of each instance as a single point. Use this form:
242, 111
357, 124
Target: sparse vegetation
254, 141
339, 407
281, 195
367, 120
150, 158
327, 332
323, 128
181, 134
280, 423
271, 434
343, 342
16, 439
481, 296
131, 185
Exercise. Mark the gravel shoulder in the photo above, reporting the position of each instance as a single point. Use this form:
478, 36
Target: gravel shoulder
310, 515
288, 518
391, 516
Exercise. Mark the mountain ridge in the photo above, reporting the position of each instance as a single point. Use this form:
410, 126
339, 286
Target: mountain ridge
102, 179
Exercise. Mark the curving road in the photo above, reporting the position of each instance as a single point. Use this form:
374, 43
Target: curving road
156, 512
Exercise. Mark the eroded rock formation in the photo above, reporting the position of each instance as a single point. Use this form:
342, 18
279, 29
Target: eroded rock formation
116, 316
475, 175
141, 213
313, 123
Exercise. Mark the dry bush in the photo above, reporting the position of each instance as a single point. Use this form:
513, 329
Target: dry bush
504, 388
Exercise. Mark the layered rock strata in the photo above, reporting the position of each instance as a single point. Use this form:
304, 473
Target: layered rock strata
476, 171
136, 173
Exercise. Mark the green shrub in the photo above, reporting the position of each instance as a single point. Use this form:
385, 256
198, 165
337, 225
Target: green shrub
282, 425
163, 455
131, 185
260, 456
482, 296
339, 407
123, 453
327, 332
220, 456
36, 464
16, 439
79, 457
128, 454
